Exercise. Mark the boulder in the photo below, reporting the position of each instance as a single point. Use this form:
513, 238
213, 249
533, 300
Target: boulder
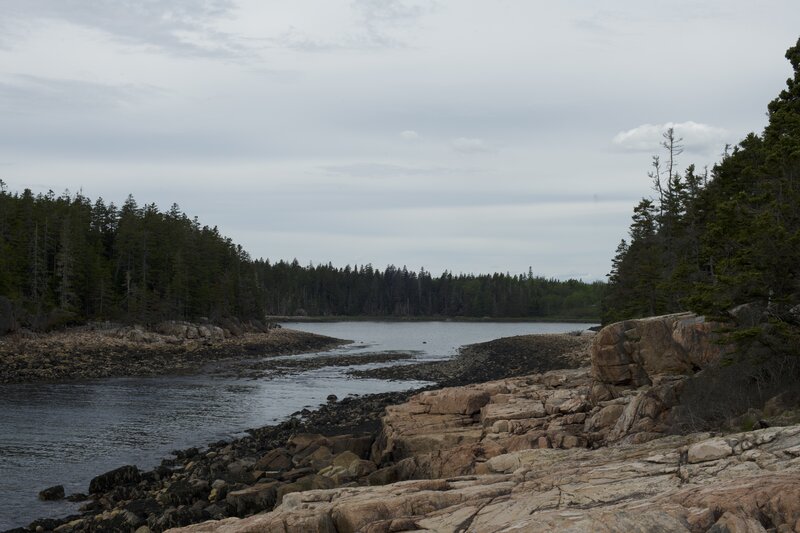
456, 400
277, 459
634, 353
124, 475
172, 328
185, 492
708, 450
52, 493
306, 443
255, 499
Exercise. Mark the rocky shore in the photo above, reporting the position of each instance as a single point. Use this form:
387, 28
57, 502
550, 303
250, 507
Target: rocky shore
111, 350
323, 448
495, 359
589, 447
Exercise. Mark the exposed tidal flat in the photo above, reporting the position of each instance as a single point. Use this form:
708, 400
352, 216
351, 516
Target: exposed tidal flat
66, 432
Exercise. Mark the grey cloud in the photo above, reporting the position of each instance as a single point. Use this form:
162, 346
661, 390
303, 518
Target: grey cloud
603, 23
390, 12
21, 94
295, 39
636, 17
377, 21
177, 27
383, 170
470, 146
378, 16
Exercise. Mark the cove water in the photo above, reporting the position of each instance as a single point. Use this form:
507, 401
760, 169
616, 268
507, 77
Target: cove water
67, 433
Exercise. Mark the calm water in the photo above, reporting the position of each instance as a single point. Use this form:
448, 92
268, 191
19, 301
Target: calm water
68, 433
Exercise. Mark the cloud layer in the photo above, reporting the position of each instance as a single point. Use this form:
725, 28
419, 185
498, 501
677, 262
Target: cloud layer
461, 135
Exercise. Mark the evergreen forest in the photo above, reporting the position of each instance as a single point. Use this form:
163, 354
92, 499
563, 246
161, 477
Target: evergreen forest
67, 259
710, 241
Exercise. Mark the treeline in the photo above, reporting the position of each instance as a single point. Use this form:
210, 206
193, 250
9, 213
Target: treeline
711, 242
364, 291
67, 259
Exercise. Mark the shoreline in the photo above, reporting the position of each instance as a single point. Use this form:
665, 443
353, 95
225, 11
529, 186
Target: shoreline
496, 359
350, 424
93, 353
360, 318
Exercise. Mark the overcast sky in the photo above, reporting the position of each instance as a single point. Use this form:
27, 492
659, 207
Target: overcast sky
467, 135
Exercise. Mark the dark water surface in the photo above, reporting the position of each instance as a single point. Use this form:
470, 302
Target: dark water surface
68, 433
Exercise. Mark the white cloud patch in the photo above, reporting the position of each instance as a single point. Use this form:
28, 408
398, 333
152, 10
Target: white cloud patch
466, 145
409, 135
697, 137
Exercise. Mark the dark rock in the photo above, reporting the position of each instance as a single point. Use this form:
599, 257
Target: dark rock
172, 517
216, 511
92, 506
121, 493
332, 398
47, 524
124, 475
144, 507
52, 493
188, 453
185, 492
239, 472
77, 497
117, 521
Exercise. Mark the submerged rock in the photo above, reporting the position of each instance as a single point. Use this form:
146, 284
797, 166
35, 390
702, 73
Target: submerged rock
52, 493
